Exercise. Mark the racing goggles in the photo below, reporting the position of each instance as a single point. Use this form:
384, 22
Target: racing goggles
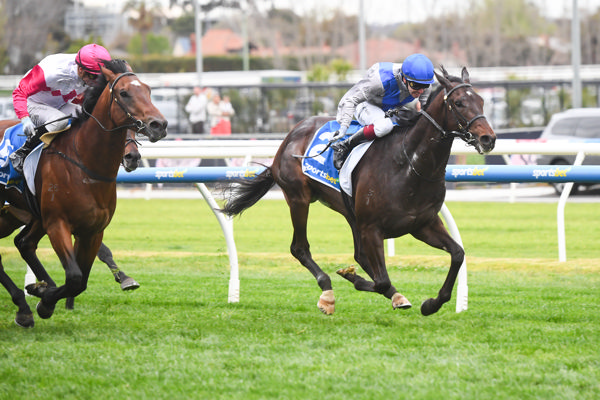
417, 86
90, 75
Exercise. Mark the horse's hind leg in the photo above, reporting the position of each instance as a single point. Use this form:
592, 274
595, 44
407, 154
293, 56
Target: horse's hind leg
24, 317
8, 224
106, 256
437, 236
300, 248
26, 242
360, 283
127, 282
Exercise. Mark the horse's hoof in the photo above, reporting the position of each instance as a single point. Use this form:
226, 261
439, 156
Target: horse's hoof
129, 284
24, 320
327, 302
346, 272
399, 301
37, 289
44, 311
429, 307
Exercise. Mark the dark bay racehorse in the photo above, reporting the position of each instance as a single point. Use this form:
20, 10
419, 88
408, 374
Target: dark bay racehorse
399, 188
75, 182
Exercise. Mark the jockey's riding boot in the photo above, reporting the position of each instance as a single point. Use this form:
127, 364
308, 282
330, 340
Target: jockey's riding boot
343, 148
18, 157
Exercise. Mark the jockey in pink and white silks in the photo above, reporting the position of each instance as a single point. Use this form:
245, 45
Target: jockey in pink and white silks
386, 86
51, 91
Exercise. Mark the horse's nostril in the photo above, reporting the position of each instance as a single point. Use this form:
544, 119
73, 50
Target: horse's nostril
487, 141
159, 124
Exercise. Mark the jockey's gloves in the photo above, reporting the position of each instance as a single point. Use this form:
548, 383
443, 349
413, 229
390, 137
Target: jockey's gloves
28, 127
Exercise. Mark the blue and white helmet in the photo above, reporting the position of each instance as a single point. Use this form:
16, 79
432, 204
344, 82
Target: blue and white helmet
418, 68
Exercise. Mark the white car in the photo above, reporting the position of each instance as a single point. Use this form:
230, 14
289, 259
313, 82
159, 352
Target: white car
576, 124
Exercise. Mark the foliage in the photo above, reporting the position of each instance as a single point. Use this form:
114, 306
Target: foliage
75, 45
322, 73
492, 33
184, 25
157, 44
530, 331
318, 73
341, 68
154, 63
3, 49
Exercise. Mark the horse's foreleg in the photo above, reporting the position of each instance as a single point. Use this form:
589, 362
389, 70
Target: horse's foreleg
60, 238
437, 236
300, 249
82, 251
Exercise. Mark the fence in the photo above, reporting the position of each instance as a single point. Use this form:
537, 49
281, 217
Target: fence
454, 173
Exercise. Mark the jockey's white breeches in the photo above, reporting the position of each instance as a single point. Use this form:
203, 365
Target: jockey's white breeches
369, 114
41, 114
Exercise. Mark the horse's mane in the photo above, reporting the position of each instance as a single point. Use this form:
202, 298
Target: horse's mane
93, 93
434, 92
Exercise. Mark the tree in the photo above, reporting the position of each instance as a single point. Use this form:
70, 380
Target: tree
144, 21
493, 33
30, 26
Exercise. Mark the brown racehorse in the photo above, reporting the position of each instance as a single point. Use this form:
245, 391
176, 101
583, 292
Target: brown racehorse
398, 187
12, 218
75, 183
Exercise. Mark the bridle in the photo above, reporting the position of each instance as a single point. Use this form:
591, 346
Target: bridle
463, 124
138, 124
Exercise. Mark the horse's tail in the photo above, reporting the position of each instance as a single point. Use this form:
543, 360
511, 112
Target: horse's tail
244, 193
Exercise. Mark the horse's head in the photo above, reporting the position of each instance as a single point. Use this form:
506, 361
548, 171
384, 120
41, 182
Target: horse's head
465, 107
131, 105
132, 156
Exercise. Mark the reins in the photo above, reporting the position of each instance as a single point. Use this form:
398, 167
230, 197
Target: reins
138, 124
462, 133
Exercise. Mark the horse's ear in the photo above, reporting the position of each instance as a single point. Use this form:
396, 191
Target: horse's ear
108, 74
465, 75
446, 75
129, 69
442, 79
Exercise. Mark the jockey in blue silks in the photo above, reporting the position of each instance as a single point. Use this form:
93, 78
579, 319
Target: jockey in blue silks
386, 86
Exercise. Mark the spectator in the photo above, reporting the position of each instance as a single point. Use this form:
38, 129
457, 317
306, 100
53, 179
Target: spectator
215, 113
227, 112
196, 108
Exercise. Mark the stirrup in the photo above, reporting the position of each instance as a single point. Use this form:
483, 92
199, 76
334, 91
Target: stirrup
17, 160
339, 156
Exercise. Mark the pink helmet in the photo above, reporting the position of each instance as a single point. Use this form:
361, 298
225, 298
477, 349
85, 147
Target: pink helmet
89, 57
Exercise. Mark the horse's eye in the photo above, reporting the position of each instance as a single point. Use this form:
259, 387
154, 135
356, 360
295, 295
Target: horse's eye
459, 103
123, 94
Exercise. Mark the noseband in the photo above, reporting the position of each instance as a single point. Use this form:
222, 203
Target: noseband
138, 124
463, 124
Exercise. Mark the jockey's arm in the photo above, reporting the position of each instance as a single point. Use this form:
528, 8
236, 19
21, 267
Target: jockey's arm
368, 89
33, 82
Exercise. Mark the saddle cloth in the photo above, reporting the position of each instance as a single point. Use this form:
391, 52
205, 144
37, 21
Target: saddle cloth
13, 139
320, 166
